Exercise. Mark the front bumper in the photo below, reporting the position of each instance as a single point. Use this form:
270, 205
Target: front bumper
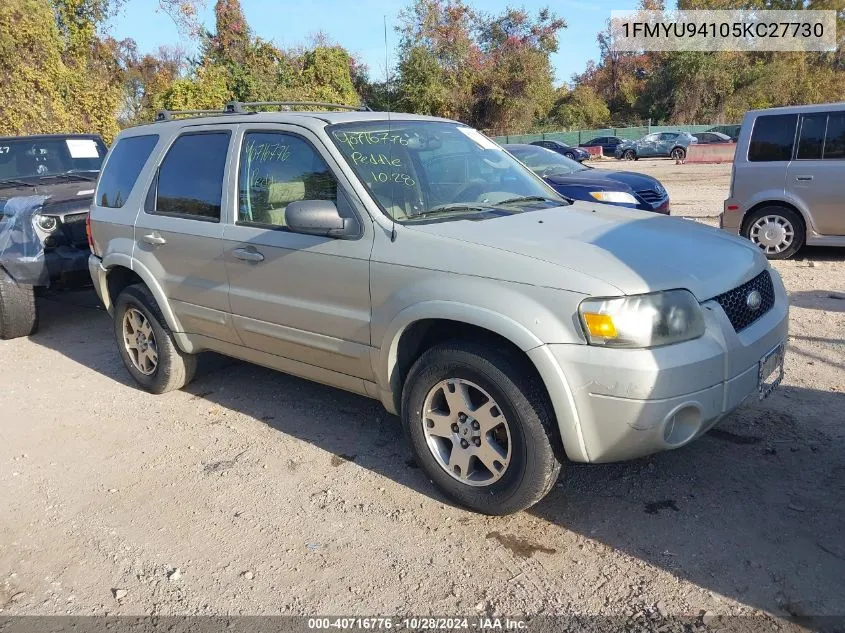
61, 266
620, 404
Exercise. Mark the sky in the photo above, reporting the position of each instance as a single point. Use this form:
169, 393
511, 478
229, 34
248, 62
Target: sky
358, 25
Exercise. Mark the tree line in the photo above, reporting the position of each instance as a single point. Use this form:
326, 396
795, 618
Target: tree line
61, 71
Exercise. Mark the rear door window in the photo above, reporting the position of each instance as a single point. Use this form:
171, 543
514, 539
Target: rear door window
773, 138
834, 144
125, 163
811, 137
190, 179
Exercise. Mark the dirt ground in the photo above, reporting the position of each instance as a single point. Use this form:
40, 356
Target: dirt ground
251, 492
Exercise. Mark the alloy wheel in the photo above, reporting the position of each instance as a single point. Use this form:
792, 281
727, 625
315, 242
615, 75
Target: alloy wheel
466, 432
139, 340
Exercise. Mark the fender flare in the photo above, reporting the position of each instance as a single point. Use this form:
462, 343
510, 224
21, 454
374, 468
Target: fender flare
114, 260
781, 198
386, 362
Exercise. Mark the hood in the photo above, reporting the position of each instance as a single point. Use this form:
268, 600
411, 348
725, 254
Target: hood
63, 197
606, 179
634, 251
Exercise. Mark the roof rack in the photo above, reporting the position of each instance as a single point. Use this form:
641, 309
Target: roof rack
169, 115
240, 107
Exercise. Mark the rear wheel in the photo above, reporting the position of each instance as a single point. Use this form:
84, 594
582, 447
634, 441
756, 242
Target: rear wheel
678, 153
480, 427
778, 231
146, 344
18, 315
629, 154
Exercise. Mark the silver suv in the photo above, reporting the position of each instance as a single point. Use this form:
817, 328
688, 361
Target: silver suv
787, 183
412, 260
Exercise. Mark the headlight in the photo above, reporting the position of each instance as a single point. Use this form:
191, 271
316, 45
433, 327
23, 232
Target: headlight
617, 197
47, 223
651, 320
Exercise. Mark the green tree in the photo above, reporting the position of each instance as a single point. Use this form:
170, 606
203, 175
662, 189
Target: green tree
32, 73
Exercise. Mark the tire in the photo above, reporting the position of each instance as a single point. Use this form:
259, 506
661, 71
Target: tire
629, 154
678, 153
531, 466
18, 314
774, 219
570, 155
173, 368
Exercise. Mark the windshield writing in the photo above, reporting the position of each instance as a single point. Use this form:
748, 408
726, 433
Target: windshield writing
418, 169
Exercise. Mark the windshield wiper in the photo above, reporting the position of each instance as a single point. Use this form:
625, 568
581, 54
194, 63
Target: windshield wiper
67, 174
531, 199
17, 182
451, 208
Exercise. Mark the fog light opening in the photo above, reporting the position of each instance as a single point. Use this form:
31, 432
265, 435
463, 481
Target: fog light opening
682, 425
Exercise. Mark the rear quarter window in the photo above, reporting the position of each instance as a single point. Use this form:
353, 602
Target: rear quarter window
123, 167
772, 138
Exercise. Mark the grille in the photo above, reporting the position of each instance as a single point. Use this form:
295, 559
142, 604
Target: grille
650, 195
734, 301
73, 227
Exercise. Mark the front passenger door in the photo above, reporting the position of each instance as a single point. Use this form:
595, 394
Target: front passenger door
301, 297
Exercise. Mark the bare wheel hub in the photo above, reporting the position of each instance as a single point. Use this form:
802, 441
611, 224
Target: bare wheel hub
466, 432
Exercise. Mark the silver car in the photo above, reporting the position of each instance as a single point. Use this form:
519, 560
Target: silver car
787, 186
412, 260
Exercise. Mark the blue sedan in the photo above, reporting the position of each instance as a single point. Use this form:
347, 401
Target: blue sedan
576, 181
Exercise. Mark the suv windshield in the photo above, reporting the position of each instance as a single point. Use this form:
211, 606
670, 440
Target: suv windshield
417, 170
34, 158
545, 163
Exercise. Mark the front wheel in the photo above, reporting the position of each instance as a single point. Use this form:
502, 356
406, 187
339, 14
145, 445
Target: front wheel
480, 427
18, 314
570, 155
778, 231
146, 344
629, 154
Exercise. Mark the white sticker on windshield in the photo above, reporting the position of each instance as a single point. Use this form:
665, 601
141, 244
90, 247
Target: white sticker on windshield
478, 138
82, 148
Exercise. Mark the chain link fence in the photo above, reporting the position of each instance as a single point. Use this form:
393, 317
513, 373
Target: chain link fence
577, 137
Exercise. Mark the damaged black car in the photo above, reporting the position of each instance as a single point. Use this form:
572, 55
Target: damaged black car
47, 183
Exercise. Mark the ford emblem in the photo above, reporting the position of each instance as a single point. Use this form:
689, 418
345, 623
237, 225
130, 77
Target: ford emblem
754, 300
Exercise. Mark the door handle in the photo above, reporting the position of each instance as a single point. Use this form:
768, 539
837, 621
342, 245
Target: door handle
803, 178
154, 239
248, 255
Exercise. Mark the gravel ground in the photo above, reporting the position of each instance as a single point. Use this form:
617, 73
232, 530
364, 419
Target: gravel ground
252, 492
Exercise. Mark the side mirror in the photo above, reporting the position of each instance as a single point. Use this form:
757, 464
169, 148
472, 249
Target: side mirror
319, 217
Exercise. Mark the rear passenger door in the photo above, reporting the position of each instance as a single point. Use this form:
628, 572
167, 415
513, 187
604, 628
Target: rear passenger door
817, 174
179, 231
301, 297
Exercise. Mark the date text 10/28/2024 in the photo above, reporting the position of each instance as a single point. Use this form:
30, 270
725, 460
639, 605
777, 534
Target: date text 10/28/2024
480, 623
